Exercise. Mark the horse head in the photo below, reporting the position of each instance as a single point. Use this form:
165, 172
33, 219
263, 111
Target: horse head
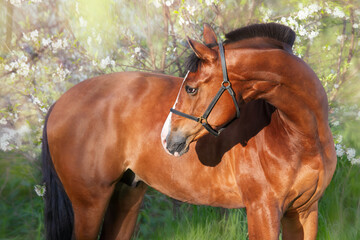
202, 104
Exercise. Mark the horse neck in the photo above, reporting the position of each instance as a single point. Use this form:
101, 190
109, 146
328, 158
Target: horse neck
284, 81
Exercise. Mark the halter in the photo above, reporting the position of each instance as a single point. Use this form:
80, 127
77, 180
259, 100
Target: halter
225, 85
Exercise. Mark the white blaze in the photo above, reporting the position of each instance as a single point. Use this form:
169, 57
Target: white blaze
167, 125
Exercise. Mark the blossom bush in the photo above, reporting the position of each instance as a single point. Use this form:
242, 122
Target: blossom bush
48, 46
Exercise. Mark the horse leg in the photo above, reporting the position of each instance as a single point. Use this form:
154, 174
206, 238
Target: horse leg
89, 210
263, 222
122, 212
300, 224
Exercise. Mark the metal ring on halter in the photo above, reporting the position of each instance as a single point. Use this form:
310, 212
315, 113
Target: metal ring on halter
228, 84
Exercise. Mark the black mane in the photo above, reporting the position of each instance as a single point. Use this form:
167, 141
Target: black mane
276, 31
270, 30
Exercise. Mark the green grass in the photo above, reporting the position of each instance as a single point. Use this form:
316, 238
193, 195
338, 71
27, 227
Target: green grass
21, 210
340, 206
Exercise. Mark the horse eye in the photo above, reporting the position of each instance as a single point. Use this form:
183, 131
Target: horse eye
190, 90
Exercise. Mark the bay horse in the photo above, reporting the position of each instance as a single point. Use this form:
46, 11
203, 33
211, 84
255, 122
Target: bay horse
104, 139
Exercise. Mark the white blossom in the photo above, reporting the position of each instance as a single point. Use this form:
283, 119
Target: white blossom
137, 50
59, 76
59, 44
169, 3
339, 138
34, 35
9, 137
350, 152
302, 14
26, 37
338, 13
89, 40
313, 34
23, 69
191, 9
209, 2
328, 10
83, 22
355, 161
340, 38
314, 8
16, 3
157, 3
302, 30
355, 25
339, 150
40, 190
45, 42
105, 62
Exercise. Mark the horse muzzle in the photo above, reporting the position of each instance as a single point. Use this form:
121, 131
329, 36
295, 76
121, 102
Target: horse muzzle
176, 144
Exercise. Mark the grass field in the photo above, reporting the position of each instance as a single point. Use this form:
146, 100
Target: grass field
21, 209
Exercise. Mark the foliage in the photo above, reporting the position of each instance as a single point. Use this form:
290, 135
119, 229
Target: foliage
48, 46
20, 209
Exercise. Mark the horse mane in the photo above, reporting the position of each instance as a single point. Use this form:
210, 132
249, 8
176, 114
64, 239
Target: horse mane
275, 31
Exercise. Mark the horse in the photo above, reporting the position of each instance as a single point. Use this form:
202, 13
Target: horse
283, 170
107, 138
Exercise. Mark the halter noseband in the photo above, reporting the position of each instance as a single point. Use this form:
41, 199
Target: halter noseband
225, 85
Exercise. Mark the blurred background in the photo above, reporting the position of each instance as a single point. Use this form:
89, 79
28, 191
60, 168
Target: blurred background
47, 46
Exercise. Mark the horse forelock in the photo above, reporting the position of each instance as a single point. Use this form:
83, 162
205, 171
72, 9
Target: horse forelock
274, 31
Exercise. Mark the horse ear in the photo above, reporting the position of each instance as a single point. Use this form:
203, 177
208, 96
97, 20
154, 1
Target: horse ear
202, 51
209, 35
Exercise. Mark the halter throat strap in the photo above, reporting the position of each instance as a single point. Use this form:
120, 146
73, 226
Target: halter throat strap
225, 86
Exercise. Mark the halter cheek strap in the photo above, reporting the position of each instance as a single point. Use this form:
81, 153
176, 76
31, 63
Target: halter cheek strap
225, 86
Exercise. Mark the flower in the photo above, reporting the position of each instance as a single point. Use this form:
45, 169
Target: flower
40, 190
340, 38
137, 50
302, 14
105, 62
313, 34
83, 22
45, 42
157, 3
59, 44
355, 161
339, 150
16, 3
169, 3
338, 13
89, 40
209, 2
34, 35
350, 152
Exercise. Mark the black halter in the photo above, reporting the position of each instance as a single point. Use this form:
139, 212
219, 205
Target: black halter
225, 85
